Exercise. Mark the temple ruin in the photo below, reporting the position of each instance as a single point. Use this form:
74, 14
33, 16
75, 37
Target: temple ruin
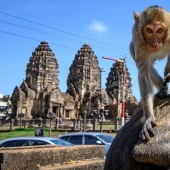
39, 93
84, 81
114, 90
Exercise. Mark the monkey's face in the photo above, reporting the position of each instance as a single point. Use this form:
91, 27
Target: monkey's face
154, 35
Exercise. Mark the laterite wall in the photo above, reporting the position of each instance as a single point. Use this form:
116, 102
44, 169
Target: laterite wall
32, 158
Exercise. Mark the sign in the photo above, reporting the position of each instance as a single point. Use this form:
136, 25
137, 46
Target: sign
39, 131
21, 115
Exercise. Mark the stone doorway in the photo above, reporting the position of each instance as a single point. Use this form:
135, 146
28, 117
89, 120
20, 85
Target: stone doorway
55, 110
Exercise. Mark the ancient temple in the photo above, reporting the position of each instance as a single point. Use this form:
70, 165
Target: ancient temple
84, 80
39, 93
114, 90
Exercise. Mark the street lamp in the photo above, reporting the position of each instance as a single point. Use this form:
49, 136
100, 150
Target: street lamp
101, 105
123, 87
94, 114
50, 116
84, 120
101, 70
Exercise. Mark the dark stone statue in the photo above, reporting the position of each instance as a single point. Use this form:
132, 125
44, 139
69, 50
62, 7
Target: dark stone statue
128, 152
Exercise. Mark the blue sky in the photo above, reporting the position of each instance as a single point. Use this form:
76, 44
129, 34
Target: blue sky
105, 25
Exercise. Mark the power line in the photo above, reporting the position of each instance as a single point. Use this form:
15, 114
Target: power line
42, 19
52, 34
59, 30
54, 11
35, 39
64, 15
39, 40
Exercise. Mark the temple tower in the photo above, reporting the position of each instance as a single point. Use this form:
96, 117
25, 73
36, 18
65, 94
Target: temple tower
114, 90
42, 68
84, 79
39, 93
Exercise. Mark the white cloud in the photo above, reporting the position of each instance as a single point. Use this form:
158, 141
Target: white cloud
97, 26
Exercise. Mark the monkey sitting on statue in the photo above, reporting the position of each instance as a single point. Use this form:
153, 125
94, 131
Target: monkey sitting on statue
151, 41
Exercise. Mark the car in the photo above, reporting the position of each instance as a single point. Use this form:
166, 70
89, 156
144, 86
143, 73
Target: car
32, 141
88, 138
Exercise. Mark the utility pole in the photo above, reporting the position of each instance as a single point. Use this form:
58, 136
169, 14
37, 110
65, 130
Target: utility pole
123, 95
100, 107
84, 121
123, 87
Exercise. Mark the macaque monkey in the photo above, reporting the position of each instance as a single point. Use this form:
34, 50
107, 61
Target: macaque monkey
151, 41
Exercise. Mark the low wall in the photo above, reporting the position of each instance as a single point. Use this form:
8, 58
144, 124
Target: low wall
93, 164
32, 158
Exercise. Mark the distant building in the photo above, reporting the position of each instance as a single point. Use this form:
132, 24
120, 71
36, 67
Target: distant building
5, 107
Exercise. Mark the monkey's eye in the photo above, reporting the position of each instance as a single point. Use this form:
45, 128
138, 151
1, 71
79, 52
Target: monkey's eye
160, 30
149, 30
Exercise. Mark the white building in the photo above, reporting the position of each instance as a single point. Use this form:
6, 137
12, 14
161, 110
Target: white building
5, 106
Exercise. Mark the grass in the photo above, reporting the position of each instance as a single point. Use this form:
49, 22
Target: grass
106, 127
18, 132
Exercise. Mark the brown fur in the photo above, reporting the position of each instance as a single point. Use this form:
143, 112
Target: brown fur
148, 76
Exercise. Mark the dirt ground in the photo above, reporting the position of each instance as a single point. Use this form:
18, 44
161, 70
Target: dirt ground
112, 134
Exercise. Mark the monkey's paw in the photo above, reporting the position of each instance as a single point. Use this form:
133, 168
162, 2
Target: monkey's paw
147, 129
166, 79
161, 94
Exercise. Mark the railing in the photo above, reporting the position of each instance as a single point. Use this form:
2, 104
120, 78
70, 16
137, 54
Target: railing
73, 125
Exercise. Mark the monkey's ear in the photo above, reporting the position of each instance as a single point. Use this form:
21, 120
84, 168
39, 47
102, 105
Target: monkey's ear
136, 17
